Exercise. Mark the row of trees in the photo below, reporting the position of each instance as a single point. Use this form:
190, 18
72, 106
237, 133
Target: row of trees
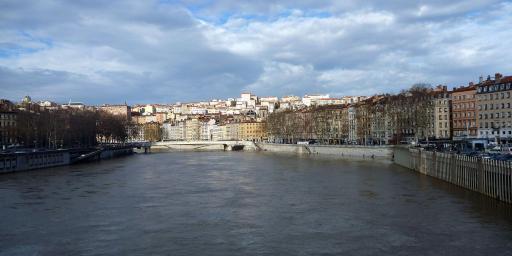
65, 128
383, 119
326, 124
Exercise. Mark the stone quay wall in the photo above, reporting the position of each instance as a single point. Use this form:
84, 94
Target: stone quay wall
489, 177
350, 151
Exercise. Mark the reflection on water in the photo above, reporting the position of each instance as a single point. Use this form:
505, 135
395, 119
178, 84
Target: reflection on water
221, 203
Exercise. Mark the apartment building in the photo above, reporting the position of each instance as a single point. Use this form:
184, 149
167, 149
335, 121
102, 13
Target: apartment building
464, 112
442, 113
252, 131
7, 123
494, 108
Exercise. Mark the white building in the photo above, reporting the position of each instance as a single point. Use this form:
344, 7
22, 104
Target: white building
352, 125
208, 129
352, 99
308, 99
174, 132
148, 110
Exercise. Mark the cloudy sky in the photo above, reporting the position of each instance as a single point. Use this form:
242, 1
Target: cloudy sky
166, 51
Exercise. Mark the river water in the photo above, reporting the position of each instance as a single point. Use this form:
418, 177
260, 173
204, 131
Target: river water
239, 203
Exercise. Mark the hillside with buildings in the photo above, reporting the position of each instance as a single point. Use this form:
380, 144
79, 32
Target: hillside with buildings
477, 113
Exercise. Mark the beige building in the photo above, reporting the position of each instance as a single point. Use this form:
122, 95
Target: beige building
192, 129
442, 113
494, 108
252, 131
161, 117
229, 131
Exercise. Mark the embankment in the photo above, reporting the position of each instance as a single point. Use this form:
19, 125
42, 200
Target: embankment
351, 151
489, 177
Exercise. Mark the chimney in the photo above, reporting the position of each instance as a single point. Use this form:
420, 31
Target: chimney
471, 83
498, 77
481, 79
488, 77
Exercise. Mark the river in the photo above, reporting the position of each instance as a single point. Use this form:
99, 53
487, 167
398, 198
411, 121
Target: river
240, 203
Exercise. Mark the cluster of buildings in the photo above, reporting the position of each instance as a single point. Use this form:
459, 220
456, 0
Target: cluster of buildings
477, 113
242, 118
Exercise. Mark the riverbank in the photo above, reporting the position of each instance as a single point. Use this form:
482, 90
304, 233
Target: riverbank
31, 160
350, 151
492, 178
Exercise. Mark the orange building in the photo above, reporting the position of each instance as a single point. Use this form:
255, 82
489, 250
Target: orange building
464, 112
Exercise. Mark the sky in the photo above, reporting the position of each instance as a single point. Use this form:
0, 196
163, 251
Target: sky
169, 51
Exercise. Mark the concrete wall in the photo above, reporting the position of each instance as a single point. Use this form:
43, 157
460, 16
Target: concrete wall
489, 177
381, 152
402, 157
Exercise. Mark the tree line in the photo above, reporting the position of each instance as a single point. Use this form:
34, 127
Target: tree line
68, 128
381, 119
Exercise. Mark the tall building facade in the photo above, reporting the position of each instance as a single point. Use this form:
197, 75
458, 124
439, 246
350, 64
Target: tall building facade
465, 123
443, 113
7, 123
494, 107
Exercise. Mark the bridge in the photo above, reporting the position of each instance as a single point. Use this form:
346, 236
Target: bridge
227, 145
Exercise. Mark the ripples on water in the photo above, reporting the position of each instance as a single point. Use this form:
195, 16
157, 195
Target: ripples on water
233, 203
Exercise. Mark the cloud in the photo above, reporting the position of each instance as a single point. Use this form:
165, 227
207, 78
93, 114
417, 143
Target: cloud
167, 51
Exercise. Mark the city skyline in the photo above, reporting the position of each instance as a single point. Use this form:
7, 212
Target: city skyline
170, 51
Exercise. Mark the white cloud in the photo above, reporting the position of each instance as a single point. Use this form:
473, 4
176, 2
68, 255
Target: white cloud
153, 51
